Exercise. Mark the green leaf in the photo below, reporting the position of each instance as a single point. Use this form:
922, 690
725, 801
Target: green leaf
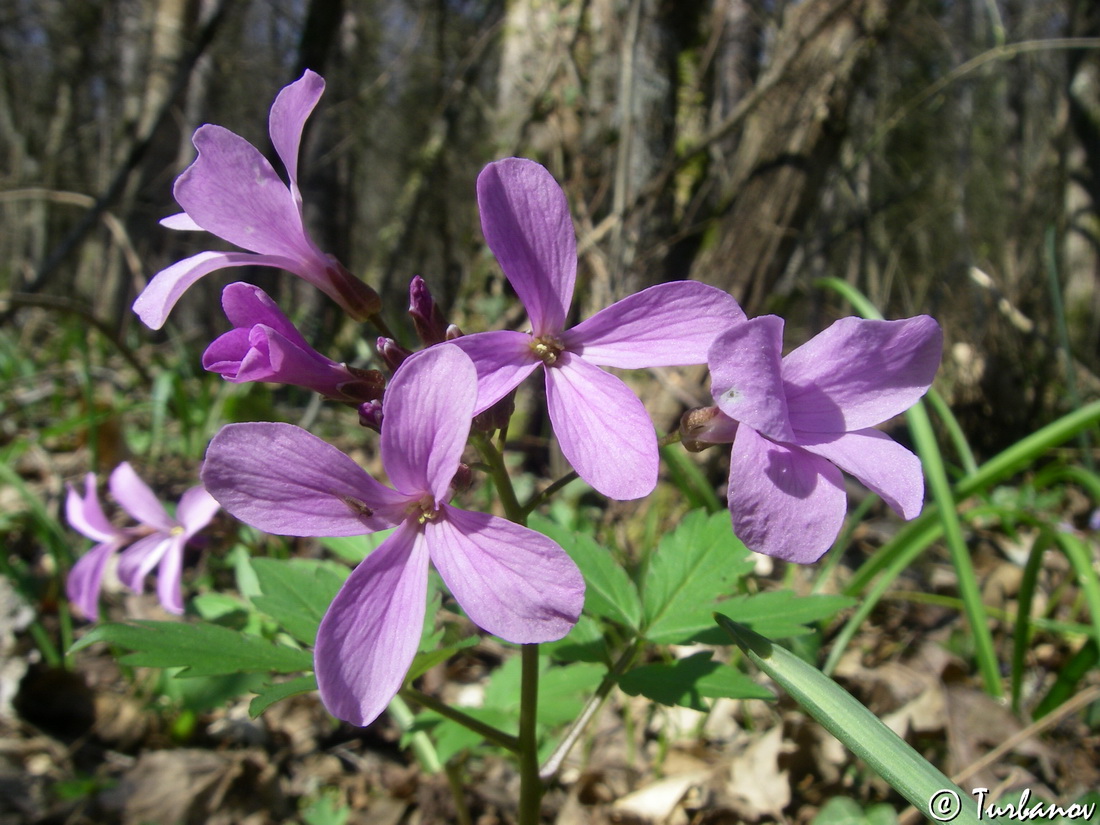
688, 681
609, 592
296, 593
780, 614
563, 691
273, 692
355, 548
861, 731
694, 567
427, 659
201, 649
841, 810
584, 643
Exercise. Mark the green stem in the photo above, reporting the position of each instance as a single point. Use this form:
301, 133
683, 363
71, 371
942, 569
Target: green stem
537, 499
421, 744
530, 783
495, 735
499, 473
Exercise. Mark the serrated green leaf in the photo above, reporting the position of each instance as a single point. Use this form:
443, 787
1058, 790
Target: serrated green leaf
609, 592
563, 691
778, 614
584, 643
694, 567
688, 681
271, 693
296, 593
201, 649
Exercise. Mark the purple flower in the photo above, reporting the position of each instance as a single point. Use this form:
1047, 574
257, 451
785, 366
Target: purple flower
265, 346
513, 582
233, 192
802, 417
158, 542
601, 425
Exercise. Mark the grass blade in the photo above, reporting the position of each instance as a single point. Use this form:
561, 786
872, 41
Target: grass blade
860, 730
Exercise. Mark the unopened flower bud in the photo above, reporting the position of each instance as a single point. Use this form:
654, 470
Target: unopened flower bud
463, 480
370, 415
366, 385
392, 353
428, 320
452, 332
497, 416
703, 427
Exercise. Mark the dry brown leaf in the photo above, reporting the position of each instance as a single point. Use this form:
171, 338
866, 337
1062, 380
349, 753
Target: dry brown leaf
757, 787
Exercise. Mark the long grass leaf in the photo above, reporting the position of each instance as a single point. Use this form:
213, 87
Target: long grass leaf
861, 731
1021, 632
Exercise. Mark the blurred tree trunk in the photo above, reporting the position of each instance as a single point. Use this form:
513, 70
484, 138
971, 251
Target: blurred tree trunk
790, 141
1082, 242
152, 75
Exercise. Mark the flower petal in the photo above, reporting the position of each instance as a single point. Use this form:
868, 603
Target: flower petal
602, 427
167, 286
195, 510
85, 515
137, 499
784, 501
232, 191
666, 325
525, 218
502, 359
281, 479
288, 118
370, 634
246, 305
180, 221
169, 574
745, 376
85, 580
426, 415
138, 560
858, 373
513, 582
880, 463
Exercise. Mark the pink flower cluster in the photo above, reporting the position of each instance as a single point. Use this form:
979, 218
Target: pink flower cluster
156, 541
794, 422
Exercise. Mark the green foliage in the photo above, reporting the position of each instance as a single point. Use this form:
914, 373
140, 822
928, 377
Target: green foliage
696, 565
687, 681
843, 811
296, 593
199, 649
325, 809
780, 614
562, 691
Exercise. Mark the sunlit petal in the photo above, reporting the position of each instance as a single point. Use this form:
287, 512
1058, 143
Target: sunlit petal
370, 634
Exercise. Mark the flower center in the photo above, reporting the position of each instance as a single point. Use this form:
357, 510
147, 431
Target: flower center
423, 510
177, 530
546, 349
